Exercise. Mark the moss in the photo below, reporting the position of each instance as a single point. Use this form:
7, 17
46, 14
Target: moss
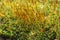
30, 19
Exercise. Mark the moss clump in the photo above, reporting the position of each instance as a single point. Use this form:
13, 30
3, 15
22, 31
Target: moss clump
30, 19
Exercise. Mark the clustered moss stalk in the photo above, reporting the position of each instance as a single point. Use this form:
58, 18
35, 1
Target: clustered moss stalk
30, 19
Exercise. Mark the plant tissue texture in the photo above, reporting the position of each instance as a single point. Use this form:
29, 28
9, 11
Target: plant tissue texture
30, 19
